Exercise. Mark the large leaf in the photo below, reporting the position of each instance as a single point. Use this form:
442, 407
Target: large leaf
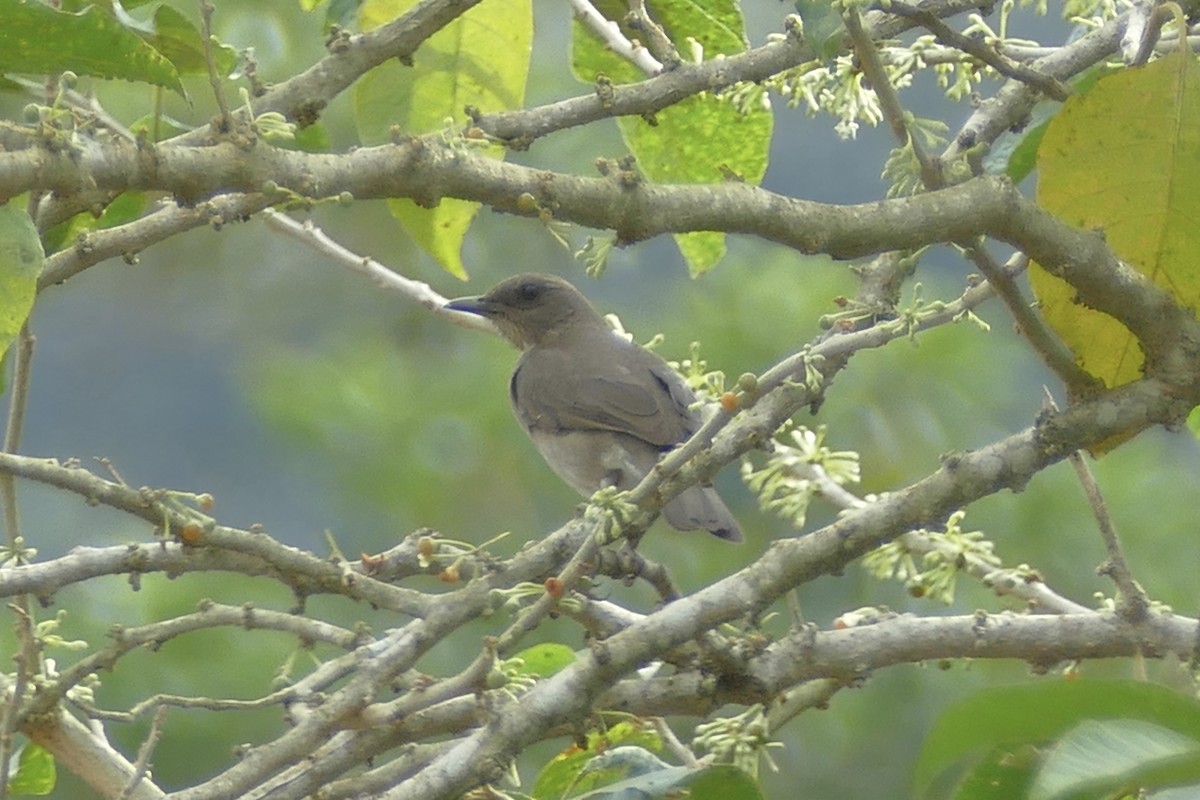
823, 27
1017, 716
182, 43
719, 782
1109, 757
1002, 774
35, 38
569, 773
21, 258
1135, 176
700, 140
482, 60
723, 782
1015, 152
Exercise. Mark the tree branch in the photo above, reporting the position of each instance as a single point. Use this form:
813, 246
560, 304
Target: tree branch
424, 171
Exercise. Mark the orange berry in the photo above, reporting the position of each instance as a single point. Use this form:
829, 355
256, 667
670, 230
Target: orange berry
191, 534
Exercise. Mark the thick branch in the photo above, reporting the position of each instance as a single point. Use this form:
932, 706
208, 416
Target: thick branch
425, 171
303, 97
302, 571
89, 756
848, 655
654, 94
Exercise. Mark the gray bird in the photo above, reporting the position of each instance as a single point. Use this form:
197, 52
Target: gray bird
601, 410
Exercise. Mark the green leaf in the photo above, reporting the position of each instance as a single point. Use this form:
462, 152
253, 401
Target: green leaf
481, 60
38, 39
182, 43
1020, 157
35, 774
721, 782
1193, 422
440, 231
702, 139
21, 258
701, 250
312, 139
664, 782
823, 27
1004, 773
1139, 182
126, 207
158, 127
1109, 756
342, 13
543, 660
567, 772
1015, 716
1016, 154
724, 782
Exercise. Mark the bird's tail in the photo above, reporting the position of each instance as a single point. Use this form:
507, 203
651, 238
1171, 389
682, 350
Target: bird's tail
701, 508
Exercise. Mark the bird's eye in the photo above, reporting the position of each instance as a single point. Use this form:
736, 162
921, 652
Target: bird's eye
529, 291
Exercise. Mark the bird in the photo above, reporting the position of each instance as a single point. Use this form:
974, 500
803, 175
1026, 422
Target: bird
600, 409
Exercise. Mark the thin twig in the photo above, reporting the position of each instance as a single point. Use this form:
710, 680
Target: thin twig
213, 616
889, 101
28, 660
1142, 31
813, 694
470, 680
794, 609
142, 766
568, 578
610, 33
681, 750
15, 425
86, 103
1134, 604
164, 701
377, 273
627, 562
1046, 84
657, 41
9, 721
1053, 352
206, 12
127, 240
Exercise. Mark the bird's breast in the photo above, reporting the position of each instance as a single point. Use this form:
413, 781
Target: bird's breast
591, 460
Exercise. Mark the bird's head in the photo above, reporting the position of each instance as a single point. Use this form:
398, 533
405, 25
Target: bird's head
532, 309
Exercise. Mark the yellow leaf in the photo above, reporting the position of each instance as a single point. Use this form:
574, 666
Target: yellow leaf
1125, 159
481, 59
440, 230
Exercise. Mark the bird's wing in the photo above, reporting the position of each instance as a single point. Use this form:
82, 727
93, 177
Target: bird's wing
626, 389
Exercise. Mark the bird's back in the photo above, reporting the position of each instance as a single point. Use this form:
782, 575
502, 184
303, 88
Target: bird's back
605, 384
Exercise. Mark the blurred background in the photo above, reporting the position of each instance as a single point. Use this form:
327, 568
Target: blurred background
241, 363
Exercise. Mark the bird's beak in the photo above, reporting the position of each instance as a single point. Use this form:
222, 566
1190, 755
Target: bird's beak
470, 305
